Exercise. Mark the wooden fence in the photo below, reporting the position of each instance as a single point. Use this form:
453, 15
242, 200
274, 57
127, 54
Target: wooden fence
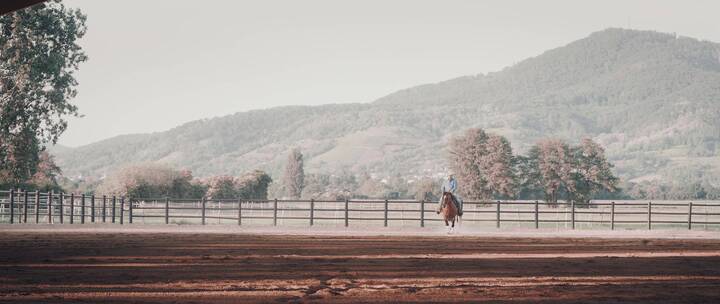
17, 206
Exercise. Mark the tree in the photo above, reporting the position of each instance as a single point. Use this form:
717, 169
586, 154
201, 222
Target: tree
222, 187
294, 174
483, 164
38, 56
149, 181
465, 153
528, 177
592, 172
253, 185
498, 166
315, 185
555, 167
183, 186
46, 176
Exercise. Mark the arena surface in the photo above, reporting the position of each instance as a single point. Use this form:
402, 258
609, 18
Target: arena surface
148, 266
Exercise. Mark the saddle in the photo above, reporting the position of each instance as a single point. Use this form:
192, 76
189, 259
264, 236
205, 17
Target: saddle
455, 201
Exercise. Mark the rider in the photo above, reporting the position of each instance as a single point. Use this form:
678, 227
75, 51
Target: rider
450, 185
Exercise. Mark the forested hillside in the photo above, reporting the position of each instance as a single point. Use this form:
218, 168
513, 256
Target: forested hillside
652, 99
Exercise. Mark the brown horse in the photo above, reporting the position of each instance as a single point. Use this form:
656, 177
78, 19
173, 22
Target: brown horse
449, 211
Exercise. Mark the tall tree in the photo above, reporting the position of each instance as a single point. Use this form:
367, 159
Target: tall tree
483, 164
498, 165
38, 58
592, 172
528, 177
294, 174
555, 166
465, 153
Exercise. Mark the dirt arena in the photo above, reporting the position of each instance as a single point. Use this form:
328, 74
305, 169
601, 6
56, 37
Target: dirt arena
148, 267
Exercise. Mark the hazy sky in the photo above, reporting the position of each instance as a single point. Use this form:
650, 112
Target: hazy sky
157, 64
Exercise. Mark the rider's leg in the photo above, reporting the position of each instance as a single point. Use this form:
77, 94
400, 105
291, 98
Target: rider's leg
460, 204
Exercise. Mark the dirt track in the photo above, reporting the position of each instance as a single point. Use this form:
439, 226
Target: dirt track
227, 268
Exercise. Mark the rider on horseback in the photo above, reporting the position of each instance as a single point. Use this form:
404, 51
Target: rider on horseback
451, 186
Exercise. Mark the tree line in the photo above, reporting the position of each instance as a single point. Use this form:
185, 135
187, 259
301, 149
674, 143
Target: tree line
486, 168
157, 181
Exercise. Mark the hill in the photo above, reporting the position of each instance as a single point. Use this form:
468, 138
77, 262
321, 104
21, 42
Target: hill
652, 99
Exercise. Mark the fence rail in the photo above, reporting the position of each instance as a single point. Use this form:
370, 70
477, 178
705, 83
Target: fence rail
17, 206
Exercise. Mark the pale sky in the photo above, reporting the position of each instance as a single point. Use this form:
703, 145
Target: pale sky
157, 64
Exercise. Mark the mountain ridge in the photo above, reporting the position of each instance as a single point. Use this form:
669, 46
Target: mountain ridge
651, 98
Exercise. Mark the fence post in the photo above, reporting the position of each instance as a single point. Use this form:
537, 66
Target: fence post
49, 205
104, 208
649, 215
537, 216
346, 213
690, 216
497, 215
167, 210
275, 212
72, 208
12, 206
26, 201
572, 214
422, 213
82, 209
203, 210
386, 213
130, 209
61, 197
37, 206
92, 208
239, 212
312, 211
122, 209
612, 215
114, 207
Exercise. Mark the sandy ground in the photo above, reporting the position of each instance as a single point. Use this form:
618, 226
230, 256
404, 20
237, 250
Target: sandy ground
463, 231
232, 265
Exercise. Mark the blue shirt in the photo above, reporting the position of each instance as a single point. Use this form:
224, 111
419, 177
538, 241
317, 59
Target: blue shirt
449, 186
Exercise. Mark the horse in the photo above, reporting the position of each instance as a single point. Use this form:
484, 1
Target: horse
449, 211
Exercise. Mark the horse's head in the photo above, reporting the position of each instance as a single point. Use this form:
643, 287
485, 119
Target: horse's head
447, 199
